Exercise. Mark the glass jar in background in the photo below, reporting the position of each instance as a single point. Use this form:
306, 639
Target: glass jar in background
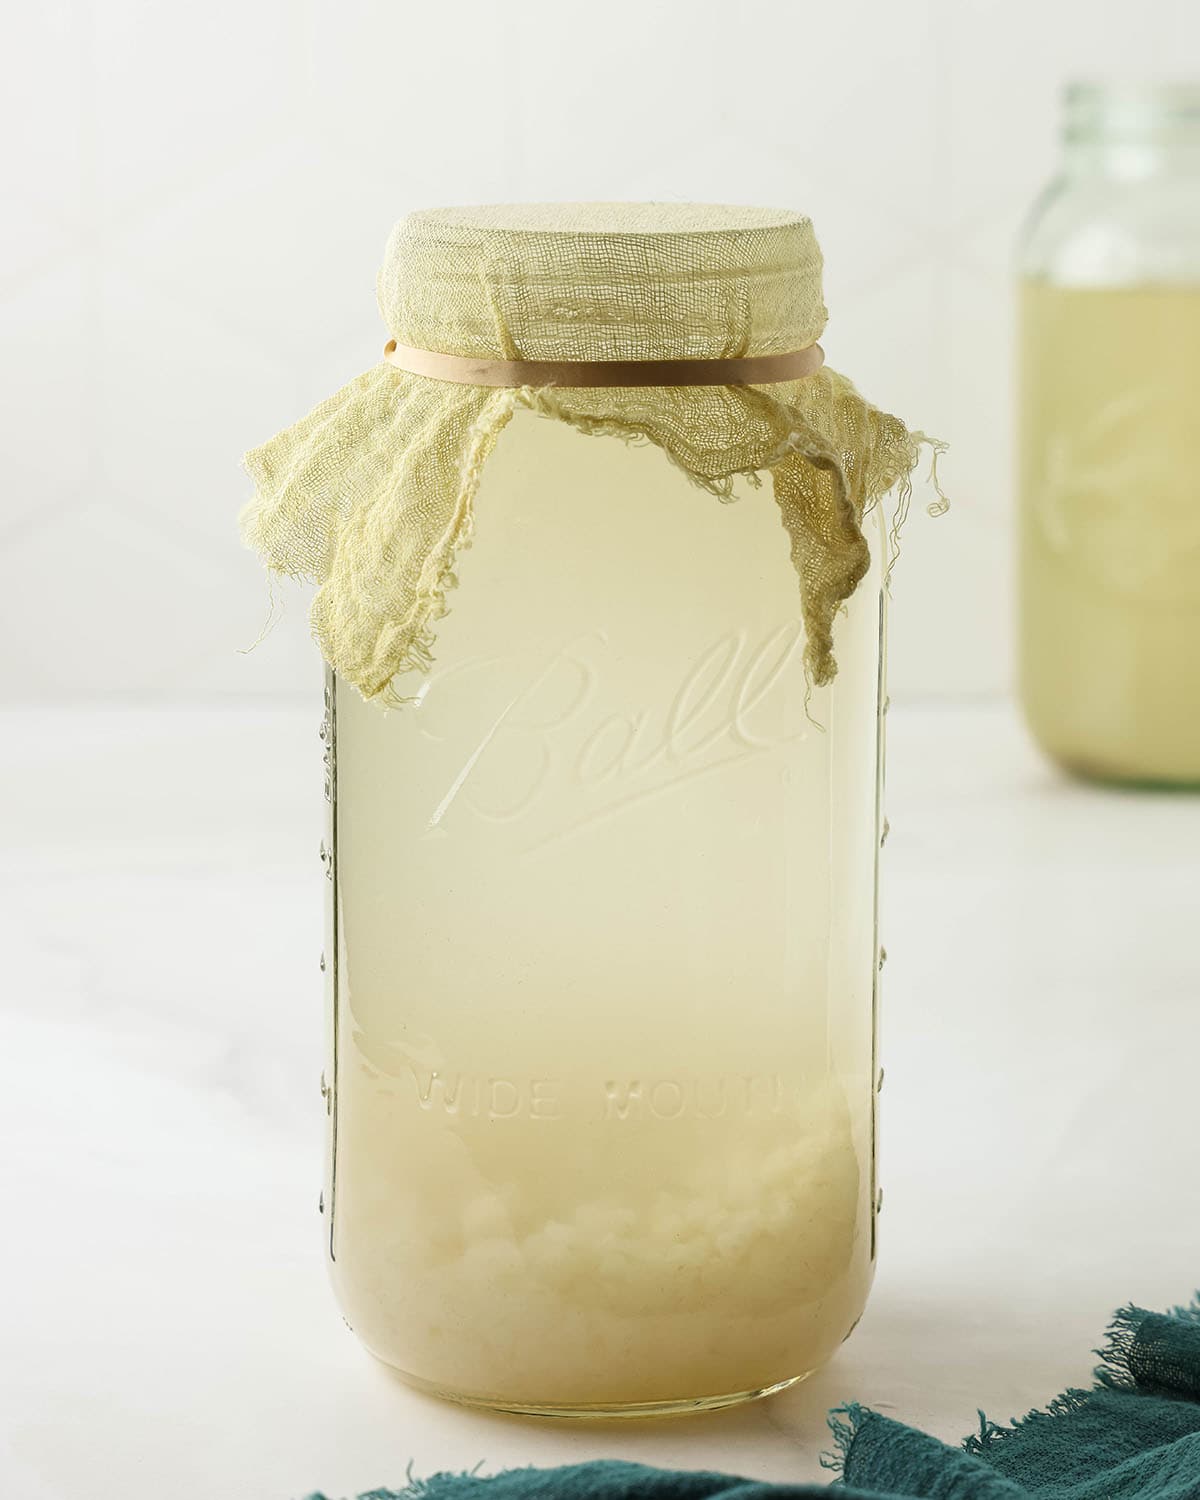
1109, 558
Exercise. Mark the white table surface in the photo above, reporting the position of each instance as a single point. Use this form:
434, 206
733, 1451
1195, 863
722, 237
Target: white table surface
165, 1324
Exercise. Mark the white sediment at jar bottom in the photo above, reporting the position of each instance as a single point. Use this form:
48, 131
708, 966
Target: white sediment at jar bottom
664, 1266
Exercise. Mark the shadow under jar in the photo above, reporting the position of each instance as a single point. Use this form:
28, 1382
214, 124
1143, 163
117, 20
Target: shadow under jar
602, 944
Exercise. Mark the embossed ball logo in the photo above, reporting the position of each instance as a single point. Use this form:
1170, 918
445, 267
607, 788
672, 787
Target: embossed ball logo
1122, 509
558, 731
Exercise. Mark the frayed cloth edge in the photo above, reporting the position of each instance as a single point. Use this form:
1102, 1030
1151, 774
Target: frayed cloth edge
845, 1424
1114, 1372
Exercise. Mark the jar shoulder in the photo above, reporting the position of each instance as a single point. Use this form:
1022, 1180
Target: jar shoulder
1106, 231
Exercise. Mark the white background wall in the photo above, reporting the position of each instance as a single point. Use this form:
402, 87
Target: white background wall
197, 195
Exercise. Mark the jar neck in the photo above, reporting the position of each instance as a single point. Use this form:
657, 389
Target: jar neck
1131, 131
1129, 160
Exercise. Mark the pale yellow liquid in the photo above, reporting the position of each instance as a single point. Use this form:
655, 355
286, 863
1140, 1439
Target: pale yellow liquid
1110, 528
606, 957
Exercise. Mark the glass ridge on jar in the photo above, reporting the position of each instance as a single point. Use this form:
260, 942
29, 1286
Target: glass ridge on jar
603, 956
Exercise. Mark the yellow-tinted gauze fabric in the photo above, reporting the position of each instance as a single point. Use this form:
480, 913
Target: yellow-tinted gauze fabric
372, 494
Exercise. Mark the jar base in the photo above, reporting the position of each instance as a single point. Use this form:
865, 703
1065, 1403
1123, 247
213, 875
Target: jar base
597, 1411
1113, 774
1114, 767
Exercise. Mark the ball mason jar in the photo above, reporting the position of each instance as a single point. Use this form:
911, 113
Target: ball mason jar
1109, 514
602, 951
606, 957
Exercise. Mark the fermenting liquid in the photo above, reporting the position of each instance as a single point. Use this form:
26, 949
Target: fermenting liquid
605, 955
1110, 528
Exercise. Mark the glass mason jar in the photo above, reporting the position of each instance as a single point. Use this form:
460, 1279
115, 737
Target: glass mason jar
602, 953
1109, 383
605, 957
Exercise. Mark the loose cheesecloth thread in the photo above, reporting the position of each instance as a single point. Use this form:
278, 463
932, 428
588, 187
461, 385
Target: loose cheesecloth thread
371, 495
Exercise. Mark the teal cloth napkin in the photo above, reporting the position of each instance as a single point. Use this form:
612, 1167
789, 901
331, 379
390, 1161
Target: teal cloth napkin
1134, 1436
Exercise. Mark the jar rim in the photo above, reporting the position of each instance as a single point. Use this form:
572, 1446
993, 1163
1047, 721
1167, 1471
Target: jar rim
614, 219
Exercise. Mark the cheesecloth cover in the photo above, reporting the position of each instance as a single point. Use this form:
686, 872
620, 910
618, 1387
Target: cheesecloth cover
371, 494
